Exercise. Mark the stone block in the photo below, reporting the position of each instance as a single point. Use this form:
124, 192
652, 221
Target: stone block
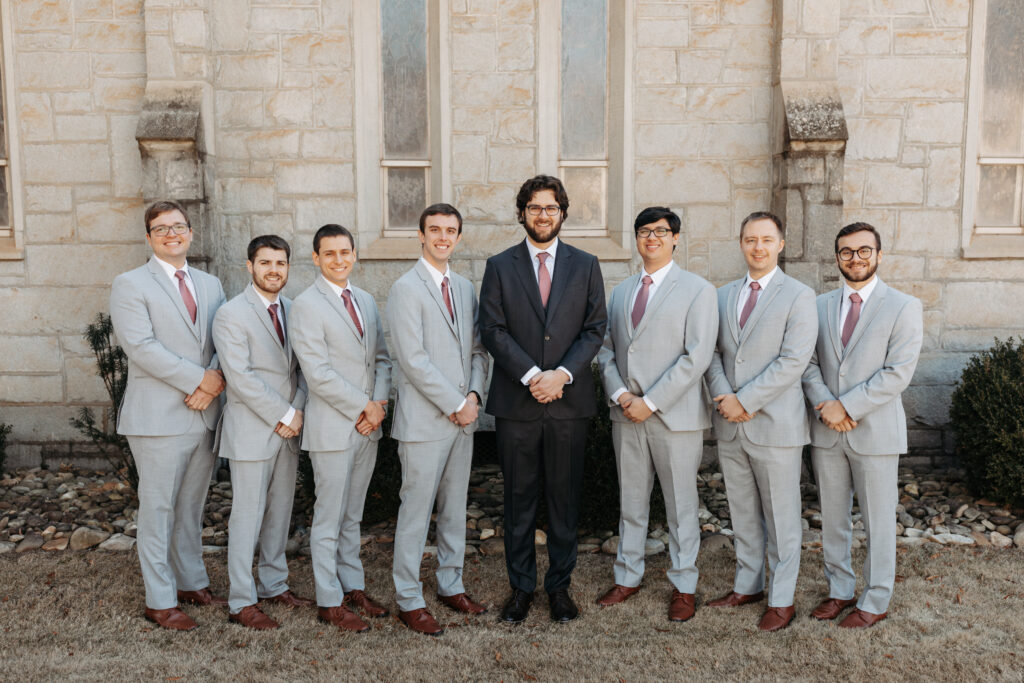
664, 103
514, 126
929, 42
35, 115
251, 70
473, 119
72, 102
189, 28
974, 340
111, 221
906, 77
747, 12
290, 108
793, 58
54, 70
486, 203
84, 385
66, 163
29, 354
239, 108
126, 161
42, 198
940, 368
43, 228
655, 66
805, 170
736, 140
913, 155
515, 47
951, 12
327, 144
160, 56
99, 36
245, 194
80, 127
336, 14
31, 389
310, 214
493, 89
706, 221
936, 122
661, 182
749, 47
930, 293
229, 33
664, 31
927, 405
283, 19
469, 157
31, 423
474, 52
818, 17
92, 10
301, 177
516, 11
332, 103
720, 104
511, 164
726, 261
931, 231
46, 15
901, 6
119, 94
119, 63
961, 269
695, 67
944, 174
888, 184
874, 139
901, 267
274, 224
982, 304
865, 37
81, 264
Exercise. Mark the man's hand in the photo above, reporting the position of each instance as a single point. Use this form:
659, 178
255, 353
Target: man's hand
372, 416
199, 399
731, 409
289, 430
469, 413
834, 415
213, 382
636, 410
546, 386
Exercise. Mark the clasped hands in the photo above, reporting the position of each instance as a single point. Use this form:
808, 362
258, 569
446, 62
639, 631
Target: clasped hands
373, 414
469, 412
729, 407
546, 386
634, 407
834, 415
287, 431
209, 389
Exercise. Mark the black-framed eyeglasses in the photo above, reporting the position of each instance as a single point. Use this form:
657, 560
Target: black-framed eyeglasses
644, 233
165, 230
535, 210
846, 254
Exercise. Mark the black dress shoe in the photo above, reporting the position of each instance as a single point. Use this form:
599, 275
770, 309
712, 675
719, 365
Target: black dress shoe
563, 609
517, 607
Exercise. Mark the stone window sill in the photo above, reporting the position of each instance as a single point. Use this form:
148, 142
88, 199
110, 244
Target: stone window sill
9, 252
994, 247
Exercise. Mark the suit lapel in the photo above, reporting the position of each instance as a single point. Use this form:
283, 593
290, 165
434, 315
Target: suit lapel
165, 284
870, 310
564, 264
763, 301
261, 312
833, 305
435, 294
625, 309
369, 339
661, 294
524, 269
286, 304
335, 302
730, 312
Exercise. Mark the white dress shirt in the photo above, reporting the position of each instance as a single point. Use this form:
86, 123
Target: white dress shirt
550, 265
171, 270
745, 290
844, 306
348, 288
287, 419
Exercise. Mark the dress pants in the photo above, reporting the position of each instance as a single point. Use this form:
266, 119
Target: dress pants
342, 478
261, 510
432, 470
531, 451
174, 477
640, 451
763, 487
839, 471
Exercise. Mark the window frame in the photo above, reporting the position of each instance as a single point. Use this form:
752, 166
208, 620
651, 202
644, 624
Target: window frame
12, 246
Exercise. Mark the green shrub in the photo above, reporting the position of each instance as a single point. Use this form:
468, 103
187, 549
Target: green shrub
112, 367
4, 431
987, 416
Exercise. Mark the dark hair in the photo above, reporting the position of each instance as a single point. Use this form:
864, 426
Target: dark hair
763, 215
268, 242
441, 209
539, 183
653, 214
859, 227
163, 206
332, 230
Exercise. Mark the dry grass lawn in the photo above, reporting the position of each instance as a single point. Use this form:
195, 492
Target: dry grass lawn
958, 614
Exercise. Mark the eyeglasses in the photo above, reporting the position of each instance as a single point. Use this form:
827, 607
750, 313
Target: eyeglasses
846, 254
535, 210
644, 233
165, 230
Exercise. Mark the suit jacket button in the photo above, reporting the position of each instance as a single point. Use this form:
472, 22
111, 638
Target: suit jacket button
547, 337
462, 385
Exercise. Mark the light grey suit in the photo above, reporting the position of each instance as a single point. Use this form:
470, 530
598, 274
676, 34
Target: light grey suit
663, 359
439, 362
343, 371
868, 377
168, 355
762, 364
263, 382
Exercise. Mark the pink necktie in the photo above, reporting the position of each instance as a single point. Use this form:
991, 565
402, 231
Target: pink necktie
543, 278
447, 297
852, 317
186, 296
640, 305
277, 322
751, 302
350, 307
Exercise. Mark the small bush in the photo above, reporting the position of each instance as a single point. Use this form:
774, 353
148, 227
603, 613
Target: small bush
987, 416
4, 431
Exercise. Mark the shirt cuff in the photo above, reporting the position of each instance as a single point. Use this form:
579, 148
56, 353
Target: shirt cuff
525, 379
650, 404
562, 368
461, 405
616, 394
288, 417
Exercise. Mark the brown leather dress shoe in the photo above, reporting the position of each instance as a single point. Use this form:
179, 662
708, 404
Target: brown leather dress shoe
172, 619
461, 602
365, 603
616, 594
251, 617
289, 599
776, 618
201, 597
681, 607
830, 609
858, 618
419, 620
736, 599
343, 618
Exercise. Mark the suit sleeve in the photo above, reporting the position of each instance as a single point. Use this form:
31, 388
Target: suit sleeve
215, 359
900, 361
405, 319
815, 389
479, 361
611, 378
134, 330
234, 347
581, 353
301, 391
698, 349
493, 323
797, 346
718, 381
381, 364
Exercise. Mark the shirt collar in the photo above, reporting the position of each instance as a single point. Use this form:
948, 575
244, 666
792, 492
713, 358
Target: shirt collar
864, 291
534, 250
436, 275
763, 280
266, 302
169, 269
336, 289
659, 275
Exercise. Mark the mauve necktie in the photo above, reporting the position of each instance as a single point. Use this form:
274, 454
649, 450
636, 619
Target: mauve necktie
640, 305
186, 296
751, 302
350, 307
447, 297
852, 317
277, 322
543, 278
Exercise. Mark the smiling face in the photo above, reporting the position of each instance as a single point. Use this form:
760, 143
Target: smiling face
858, 271
656, 251
269, 269
170, 248
439, 236
542, 229
761, 243
335, 259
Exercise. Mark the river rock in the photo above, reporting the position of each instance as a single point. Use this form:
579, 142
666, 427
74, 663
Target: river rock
30, 542
1000, 541
653, 546
1018, 538
56, 543
611, 546
540, 537
715, 542
118, 542
493, 546
87, 537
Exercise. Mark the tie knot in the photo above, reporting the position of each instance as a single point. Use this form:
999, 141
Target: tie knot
346, 295
444, 281
648, 280
273, 309
180, 274
543, 256
855, 298
755, 286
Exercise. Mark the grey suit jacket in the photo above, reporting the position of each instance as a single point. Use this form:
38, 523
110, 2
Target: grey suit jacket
167, 353
343, 371
438, 361
665, 357
263, 378
762, 363
869, 375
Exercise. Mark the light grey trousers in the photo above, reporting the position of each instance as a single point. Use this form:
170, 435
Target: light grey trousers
432, 470
261, 510
174, 477
839, 472
763, 487
641, 450
342, 478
